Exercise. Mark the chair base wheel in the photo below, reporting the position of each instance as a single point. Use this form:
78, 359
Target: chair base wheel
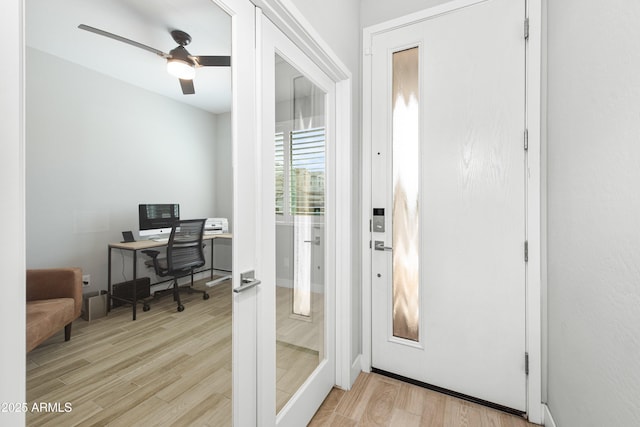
146, 308
181, 307
205, 296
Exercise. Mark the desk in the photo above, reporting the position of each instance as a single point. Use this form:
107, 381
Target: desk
139, 246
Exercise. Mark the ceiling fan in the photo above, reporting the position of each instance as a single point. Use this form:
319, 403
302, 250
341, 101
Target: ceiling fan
180, 63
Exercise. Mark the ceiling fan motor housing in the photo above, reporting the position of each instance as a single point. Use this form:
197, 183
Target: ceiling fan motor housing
181, 53
181, 37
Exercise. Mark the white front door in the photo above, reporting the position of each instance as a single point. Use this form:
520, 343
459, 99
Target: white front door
448, 185
296, 364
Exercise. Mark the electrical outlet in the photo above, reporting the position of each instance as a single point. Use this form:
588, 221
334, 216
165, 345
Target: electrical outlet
86, 280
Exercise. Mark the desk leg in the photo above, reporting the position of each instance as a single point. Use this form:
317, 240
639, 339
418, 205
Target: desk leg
109, 282
135, 279
219, 279
212, 240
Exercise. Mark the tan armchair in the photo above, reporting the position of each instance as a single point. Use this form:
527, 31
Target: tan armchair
54, 300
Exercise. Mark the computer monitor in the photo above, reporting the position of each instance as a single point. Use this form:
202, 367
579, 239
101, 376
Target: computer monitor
157, 219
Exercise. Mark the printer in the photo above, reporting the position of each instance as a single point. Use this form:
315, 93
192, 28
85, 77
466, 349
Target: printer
216, 226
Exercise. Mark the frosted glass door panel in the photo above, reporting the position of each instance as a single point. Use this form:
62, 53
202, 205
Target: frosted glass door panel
406, 173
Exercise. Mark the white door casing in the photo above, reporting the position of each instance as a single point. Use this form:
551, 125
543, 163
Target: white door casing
480, 175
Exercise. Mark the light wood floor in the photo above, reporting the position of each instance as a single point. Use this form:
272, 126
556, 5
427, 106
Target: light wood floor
299, 345
375, 400
169, 368
166, 368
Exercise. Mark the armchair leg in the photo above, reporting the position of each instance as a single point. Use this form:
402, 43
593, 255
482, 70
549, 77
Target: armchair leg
67, 332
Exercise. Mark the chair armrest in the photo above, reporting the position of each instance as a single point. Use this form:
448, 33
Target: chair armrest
159, 263
151, 253
55, 283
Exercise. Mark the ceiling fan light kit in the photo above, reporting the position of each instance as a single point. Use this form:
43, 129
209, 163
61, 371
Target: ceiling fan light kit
180, 69
180, 63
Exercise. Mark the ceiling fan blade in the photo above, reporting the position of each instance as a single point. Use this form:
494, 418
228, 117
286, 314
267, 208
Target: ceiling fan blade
187, 87
122, 39
213, 61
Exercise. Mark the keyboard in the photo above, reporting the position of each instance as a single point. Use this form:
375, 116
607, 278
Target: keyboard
161, 239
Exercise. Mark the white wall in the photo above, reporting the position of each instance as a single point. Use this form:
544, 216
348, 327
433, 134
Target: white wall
338, 23
376, 11
223, 189
593, 212
223, 169
96, 148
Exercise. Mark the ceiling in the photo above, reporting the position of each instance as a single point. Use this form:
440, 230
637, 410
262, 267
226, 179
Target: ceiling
51, 26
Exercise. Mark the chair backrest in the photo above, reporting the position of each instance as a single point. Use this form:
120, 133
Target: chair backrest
184, 249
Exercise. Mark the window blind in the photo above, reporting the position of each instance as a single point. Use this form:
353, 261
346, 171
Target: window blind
307, 174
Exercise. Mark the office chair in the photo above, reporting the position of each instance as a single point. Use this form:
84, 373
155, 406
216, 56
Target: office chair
184, 254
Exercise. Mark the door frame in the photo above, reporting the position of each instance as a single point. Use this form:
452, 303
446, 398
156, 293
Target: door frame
535, 196
296, 27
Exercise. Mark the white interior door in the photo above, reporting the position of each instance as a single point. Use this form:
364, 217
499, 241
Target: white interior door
448, 162
297, 231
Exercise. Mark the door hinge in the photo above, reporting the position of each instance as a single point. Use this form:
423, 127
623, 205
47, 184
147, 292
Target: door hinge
368, 51
526, 28
370, 225
526, 363
526, 251
369, 244
526, 139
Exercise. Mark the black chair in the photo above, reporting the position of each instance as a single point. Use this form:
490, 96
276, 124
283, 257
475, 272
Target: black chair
184, 254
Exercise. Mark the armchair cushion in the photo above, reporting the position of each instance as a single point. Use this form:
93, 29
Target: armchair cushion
54, 300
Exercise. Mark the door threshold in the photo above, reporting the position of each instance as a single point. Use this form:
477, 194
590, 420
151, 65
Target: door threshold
451, 393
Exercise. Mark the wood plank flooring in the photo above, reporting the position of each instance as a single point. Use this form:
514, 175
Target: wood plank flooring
174, 369
299, 345
376, 400
166, 368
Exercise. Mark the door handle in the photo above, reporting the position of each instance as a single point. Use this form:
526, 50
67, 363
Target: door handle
379, 246
247, 281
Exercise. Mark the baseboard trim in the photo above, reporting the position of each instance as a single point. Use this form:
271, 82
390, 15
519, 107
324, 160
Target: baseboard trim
548, 419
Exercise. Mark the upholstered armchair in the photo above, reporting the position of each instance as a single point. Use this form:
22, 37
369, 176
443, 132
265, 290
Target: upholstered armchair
54, 301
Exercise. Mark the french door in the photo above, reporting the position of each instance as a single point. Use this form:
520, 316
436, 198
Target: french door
448, 199
296, 350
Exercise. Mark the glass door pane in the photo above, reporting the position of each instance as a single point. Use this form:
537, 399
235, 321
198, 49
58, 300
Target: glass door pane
406, 174
300, 231
197, 366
